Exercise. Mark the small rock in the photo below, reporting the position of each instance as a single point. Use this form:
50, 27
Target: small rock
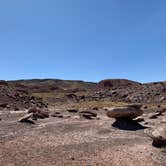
162, 98
88, 114
38, 113
161, 111
73, 110
139, 119
57, 115
76, 117
163, 120
16, 109
154, 115
72, 158
145, 107
106, 108
26, 117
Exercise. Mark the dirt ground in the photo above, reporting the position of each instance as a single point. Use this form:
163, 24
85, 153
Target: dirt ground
74, 142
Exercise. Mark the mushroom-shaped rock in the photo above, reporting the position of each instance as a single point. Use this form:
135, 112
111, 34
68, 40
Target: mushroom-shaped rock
124, 112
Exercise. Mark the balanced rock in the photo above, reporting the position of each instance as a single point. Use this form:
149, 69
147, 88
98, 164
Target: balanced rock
124, 112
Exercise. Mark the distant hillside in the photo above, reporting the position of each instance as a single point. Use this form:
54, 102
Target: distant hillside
49, 85
16, 97
55, 90
130, 91
117, 83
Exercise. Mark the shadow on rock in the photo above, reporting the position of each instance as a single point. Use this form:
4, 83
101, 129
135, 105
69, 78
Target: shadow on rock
127, 124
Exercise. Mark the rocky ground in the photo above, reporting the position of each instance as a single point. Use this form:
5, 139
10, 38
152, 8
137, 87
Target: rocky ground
75, 123
72, 139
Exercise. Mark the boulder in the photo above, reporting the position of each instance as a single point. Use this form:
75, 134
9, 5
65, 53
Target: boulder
130, 112
159, 136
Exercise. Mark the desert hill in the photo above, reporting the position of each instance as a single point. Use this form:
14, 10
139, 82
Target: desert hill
15, 97
24, 93
54, 90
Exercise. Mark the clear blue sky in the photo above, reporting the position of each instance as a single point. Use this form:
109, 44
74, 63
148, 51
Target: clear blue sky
83, 39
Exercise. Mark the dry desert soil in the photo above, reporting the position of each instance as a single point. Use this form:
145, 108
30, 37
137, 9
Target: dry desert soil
75, 141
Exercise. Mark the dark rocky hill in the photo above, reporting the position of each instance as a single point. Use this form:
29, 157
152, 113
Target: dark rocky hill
16, 97
24, 93
50, 85
130, 91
